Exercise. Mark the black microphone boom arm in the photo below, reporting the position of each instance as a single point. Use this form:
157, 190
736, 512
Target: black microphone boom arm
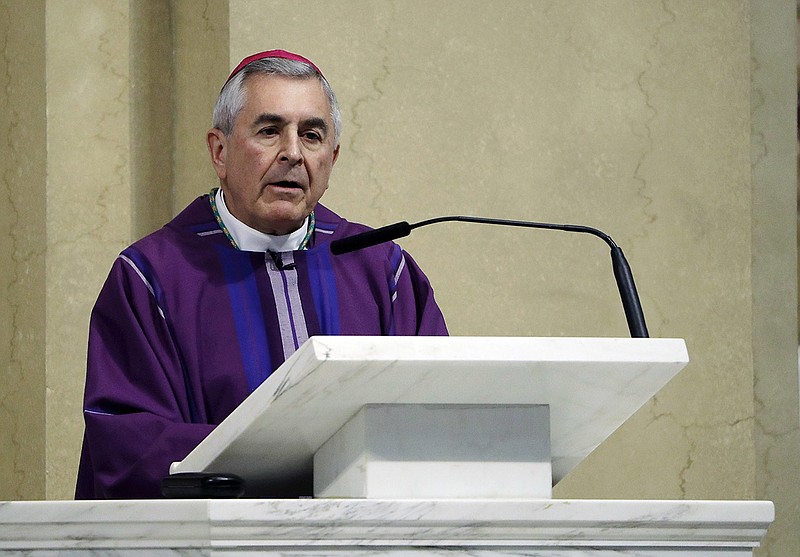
622, 271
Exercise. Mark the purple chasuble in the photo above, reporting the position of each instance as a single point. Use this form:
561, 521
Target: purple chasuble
187, 326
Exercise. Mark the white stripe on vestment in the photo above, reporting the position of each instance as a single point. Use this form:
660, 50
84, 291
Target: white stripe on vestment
301, 332
97, 412
397, 275
291, 319
400, 269
133, 266
210, 232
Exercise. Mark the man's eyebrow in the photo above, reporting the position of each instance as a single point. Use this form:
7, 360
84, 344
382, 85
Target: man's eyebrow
269, 118
316, 122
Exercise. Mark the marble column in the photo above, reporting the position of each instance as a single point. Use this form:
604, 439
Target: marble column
23, 241
89, 200
774, 266
91, 138
200, 35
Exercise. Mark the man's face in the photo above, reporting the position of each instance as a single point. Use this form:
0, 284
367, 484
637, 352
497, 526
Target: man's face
275, 165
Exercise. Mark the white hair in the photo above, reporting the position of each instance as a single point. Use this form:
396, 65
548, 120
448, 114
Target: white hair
232, 99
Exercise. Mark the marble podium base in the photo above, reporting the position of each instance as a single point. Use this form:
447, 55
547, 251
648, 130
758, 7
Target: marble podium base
438, 451
339, 527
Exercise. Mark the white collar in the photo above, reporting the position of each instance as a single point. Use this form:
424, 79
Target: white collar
250, 239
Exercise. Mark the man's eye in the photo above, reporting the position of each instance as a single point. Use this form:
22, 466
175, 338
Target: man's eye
268, 131
312, 136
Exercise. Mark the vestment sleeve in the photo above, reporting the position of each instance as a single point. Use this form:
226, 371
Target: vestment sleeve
422, 317
137, 404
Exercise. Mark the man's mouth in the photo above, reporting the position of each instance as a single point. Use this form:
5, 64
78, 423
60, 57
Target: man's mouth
286, 184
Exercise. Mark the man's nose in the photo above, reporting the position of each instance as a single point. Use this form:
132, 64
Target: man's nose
291, 151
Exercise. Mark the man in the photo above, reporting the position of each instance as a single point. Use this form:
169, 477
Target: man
195, 316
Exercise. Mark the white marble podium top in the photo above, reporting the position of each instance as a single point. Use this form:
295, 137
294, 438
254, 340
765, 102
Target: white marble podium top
592, 385
380, 527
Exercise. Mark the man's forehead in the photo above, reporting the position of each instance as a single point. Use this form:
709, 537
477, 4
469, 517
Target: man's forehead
273, 98
293, 92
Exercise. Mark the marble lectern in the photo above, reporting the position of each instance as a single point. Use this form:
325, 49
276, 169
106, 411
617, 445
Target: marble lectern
421, 446
436, 417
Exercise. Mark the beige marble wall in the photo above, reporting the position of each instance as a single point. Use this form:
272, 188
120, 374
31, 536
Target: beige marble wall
774, 157
200, 37
634, 117
629, 116
22, 250
152, 88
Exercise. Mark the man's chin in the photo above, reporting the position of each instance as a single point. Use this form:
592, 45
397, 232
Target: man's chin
280, 220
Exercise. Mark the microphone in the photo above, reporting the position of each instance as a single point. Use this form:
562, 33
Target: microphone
622, 271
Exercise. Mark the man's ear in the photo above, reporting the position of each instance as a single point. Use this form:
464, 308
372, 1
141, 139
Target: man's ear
217, 149
335, 154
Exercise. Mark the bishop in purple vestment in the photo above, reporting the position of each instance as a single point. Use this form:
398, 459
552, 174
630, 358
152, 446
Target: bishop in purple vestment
193, 317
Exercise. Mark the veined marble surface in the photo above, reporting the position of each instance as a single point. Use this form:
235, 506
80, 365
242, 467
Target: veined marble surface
592, 386
382, 527
450, 451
